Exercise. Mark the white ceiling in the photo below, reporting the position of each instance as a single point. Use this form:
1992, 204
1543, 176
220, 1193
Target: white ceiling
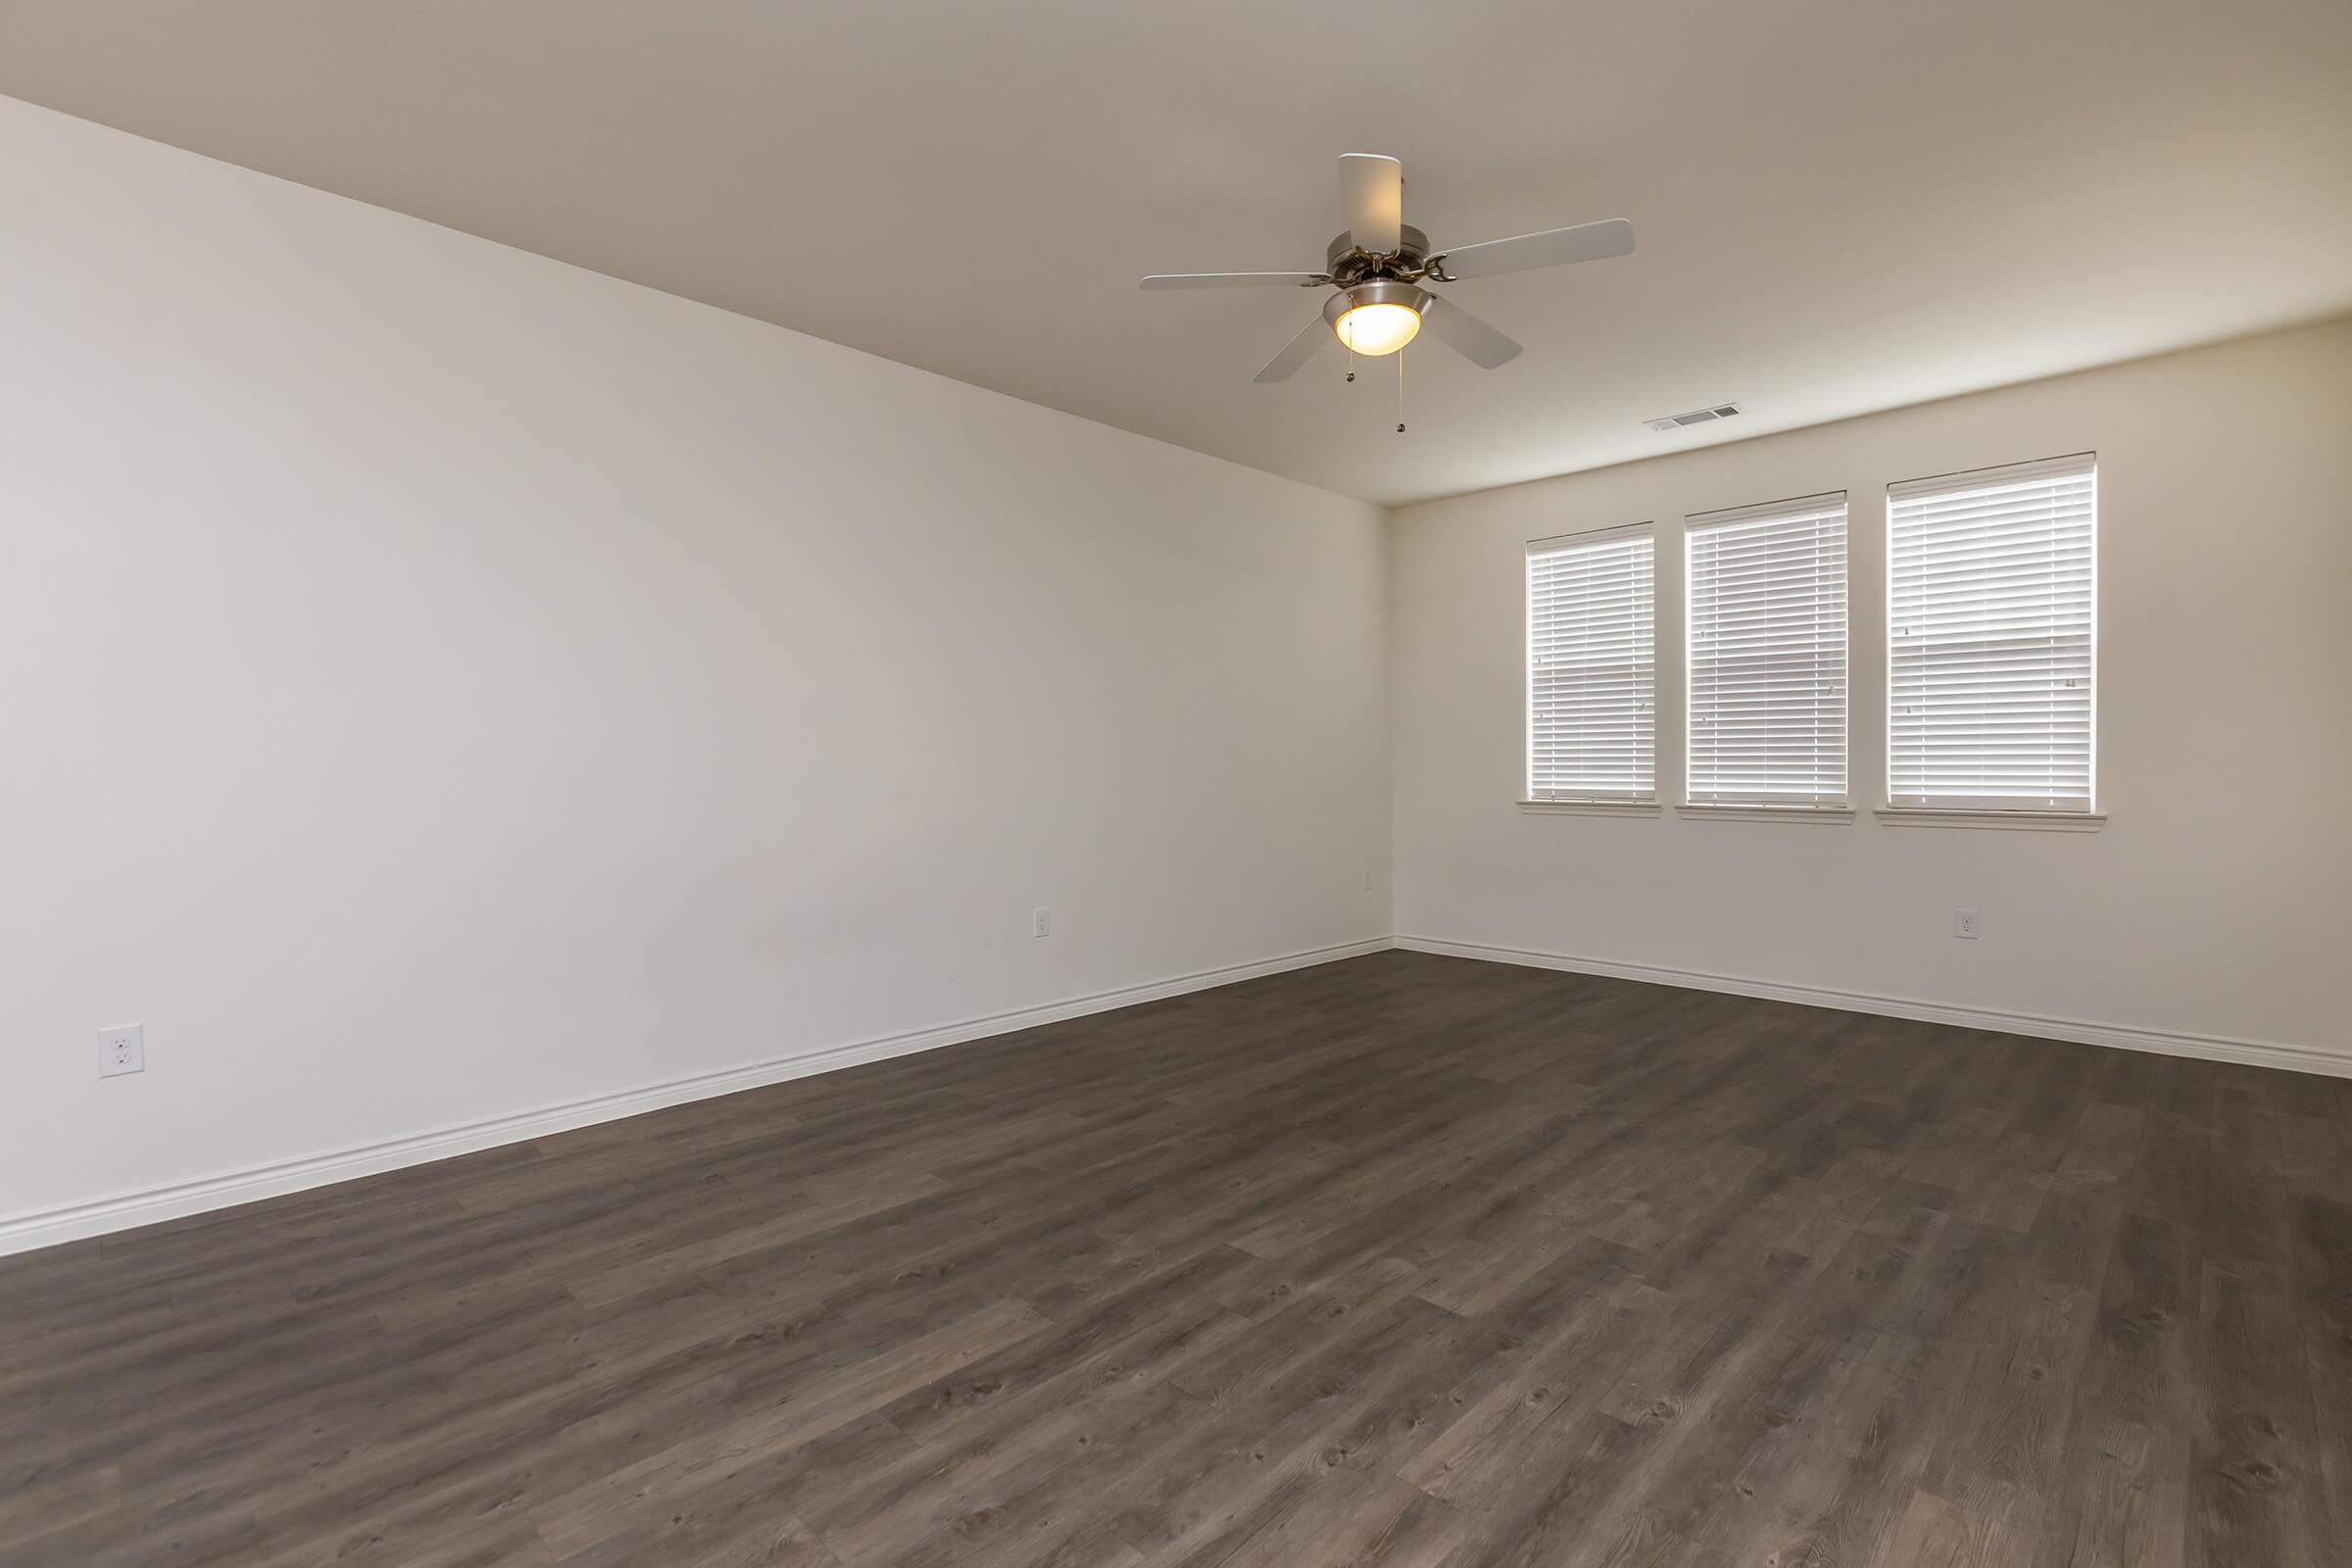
1844, 205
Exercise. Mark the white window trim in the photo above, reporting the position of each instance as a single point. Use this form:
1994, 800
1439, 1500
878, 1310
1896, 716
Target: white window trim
1731, 812
2031, 468
1585, 804
1954, 814
1591, 536
1765, 509
1990, 816
1564, 805
1838, 809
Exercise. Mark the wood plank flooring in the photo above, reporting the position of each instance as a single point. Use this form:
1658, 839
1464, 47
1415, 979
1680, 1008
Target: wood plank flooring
1400, 1261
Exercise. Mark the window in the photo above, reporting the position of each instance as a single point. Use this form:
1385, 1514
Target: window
1990, 611
1767, 652
1590, 670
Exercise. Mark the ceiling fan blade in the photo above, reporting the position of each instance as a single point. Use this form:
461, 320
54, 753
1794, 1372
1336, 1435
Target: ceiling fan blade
1297, 352
1467, 336
1554, 247
1234, 280
1373, 186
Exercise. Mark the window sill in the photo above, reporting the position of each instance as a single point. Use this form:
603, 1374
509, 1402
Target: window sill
1591, 807
1705, 810
2030, 821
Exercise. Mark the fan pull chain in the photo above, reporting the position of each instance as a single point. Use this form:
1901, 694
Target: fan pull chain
1400, 391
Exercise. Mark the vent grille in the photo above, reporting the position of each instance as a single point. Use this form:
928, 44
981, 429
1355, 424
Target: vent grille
1679, 421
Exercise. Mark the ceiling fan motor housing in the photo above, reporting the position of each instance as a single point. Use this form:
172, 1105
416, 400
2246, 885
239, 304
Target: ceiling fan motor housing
1347, 265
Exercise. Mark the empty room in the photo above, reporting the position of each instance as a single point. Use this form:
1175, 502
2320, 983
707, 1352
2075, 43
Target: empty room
1054, 785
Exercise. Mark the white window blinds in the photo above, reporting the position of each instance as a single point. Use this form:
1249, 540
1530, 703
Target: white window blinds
1591, 670
1991, 597
1767, 652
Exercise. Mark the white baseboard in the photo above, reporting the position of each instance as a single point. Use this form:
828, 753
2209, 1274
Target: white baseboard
20, 1233
2210, 1048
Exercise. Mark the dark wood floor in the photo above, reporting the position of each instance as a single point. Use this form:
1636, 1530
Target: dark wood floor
1402, 1260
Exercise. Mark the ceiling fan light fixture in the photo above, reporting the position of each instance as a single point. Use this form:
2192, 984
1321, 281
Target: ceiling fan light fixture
1373, 265
1377, 317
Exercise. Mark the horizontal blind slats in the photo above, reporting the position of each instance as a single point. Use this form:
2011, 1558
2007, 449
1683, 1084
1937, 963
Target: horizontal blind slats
1767, 720
1990, 607
1590, 676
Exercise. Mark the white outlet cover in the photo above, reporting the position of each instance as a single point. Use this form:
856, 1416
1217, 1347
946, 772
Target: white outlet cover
1040, 922
121, 1049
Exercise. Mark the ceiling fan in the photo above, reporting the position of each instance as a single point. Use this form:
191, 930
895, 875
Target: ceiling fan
1376, 269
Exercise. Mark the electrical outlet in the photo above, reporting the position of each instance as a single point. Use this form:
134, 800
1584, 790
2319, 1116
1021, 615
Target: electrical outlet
121, 1049
1040, 921
1964, 924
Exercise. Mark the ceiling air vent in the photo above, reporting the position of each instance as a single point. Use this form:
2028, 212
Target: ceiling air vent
1677, 421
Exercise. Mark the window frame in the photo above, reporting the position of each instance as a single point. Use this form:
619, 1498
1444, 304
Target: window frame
1959, 811
1838, 808
1645, 803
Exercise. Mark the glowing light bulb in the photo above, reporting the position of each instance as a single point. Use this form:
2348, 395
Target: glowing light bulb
1378, 328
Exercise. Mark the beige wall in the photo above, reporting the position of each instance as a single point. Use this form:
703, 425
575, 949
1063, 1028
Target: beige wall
436, 682
2218, 900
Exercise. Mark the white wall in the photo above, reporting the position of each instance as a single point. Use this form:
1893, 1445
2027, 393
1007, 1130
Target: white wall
2218, 900
437, 682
